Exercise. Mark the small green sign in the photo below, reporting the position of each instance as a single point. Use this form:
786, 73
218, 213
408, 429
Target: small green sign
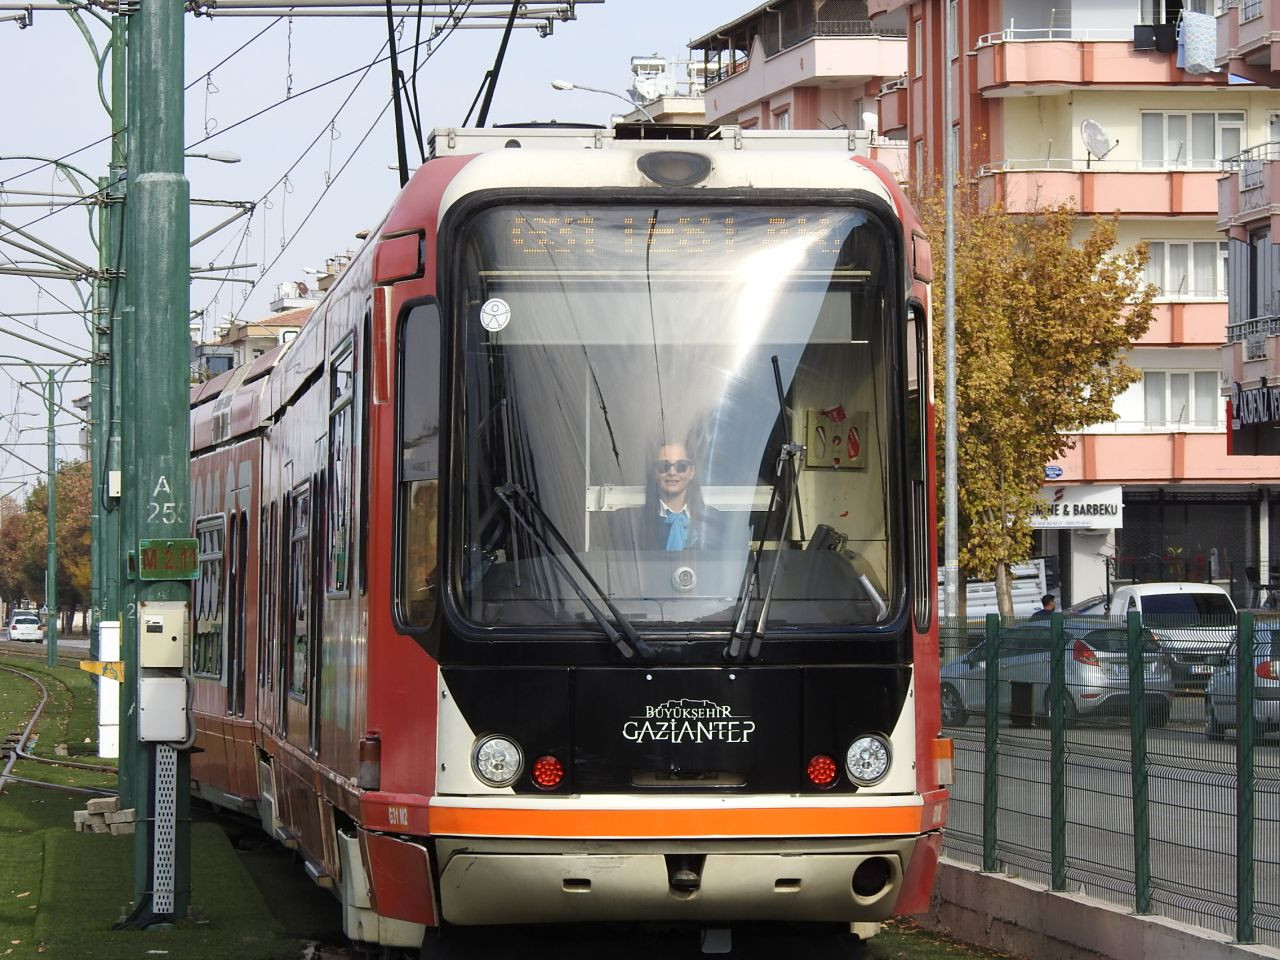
168, 560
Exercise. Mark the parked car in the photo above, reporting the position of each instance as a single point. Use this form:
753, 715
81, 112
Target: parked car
1193, 622
26, 626
1096, 673
1091, 607
1221, 691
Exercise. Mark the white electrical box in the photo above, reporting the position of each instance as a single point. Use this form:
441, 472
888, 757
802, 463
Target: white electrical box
162, 709
162, 633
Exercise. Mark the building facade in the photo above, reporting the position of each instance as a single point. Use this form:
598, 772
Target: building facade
1055, 100
1249, 216
1089, 101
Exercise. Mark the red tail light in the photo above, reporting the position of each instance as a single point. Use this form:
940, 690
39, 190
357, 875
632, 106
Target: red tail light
548, 772
1081, 652
1268, 670
822, 771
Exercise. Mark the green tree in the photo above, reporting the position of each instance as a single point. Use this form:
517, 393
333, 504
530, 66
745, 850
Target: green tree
1046, 307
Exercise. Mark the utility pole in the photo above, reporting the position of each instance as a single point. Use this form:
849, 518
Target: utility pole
156, 493
51, 541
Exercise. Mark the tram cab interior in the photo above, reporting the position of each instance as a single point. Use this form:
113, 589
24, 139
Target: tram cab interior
766, 379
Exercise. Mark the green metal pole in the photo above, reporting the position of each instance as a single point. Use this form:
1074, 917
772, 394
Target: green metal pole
155, 361
991, 763
1057, 752
1138, 770
51, 541
1244, 778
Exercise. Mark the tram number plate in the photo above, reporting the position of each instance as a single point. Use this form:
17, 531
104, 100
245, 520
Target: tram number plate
168, 559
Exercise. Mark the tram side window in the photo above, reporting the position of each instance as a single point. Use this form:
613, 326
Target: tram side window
419, 413
341, 422
300, 592
206, 641
918, 399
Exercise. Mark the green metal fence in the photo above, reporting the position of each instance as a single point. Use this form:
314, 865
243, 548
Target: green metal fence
1104, 756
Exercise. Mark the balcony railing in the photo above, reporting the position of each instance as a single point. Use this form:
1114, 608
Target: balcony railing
1253, 334
894, 85
1102, 166
1030, 34
837, 28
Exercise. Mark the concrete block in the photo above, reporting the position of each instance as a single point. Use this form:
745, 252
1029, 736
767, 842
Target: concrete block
99, 828
117, 829
103, 804
121, 816
81, 817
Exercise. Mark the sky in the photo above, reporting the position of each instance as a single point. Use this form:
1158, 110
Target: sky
317, 156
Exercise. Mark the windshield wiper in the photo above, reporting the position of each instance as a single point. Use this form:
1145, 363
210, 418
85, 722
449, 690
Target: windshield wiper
788, 453
624, 635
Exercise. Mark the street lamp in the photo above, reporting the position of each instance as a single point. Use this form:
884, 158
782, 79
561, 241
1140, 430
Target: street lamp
217, 156
566, 85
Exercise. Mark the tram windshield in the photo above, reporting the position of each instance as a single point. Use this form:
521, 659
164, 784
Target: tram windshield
678, 414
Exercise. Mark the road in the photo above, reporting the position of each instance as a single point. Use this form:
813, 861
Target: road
1192, 792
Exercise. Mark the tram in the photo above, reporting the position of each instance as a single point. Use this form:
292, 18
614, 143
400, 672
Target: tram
576, 561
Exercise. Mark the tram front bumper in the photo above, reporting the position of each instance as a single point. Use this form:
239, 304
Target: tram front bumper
538, 881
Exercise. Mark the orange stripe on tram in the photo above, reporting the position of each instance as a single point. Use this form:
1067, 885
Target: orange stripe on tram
759, 822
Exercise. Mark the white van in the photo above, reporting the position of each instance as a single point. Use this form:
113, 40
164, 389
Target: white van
1193, 622
26, 626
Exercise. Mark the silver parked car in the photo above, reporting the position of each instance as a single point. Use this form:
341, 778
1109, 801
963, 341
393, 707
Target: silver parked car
1096, 673
1220, 694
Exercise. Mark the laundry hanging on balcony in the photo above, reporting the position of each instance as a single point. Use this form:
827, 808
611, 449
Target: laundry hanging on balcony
1199, 42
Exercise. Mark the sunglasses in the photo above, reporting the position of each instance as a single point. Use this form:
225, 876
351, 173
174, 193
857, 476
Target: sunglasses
679, 466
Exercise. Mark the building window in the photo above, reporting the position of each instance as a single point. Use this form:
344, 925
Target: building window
1162, 11
1188, 269
782, 119
860, 115
917, 32
206, 642
953, 41
1180, 398
920, 171
1197, 140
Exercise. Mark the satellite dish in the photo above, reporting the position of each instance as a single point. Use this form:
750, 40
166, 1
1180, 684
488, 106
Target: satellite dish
1096, 140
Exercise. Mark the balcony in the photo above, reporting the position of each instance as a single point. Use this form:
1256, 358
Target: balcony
891, 103
1247, 43
788, 40
1132, 454
1064, 57
1101, 186
1186, 323
1249, 191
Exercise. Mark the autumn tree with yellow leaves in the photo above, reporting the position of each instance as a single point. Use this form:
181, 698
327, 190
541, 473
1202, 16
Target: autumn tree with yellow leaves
1046, 307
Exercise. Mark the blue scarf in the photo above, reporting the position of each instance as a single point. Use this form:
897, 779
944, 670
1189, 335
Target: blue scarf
678, 530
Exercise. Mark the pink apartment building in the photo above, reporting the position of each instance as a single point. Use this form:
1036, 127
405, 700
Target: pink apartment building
1079, 99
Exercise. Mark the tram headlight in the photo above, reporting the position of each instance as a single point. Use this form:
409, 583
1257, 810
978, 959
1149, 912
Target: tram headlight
867, 760
497, 760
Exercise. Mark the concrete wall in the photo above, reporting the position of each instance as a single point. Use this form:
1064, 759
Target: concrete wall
1025, 920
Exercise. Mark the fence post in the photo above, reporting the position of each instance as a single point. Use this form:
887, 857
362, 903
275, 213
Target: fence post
1057, 752
1138, 738
1245, 652
991, 763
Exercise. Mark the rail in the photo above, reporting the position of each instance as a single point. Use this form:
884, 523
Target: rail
1253, 333
1092, 165
1034, 34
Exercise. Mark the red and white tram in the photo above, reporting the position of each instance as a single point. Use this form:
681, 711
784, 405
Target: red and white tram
576, 561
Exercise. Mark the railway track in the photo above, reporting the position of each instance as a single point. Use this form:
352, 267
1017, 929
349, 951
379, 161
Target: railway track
16, 744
